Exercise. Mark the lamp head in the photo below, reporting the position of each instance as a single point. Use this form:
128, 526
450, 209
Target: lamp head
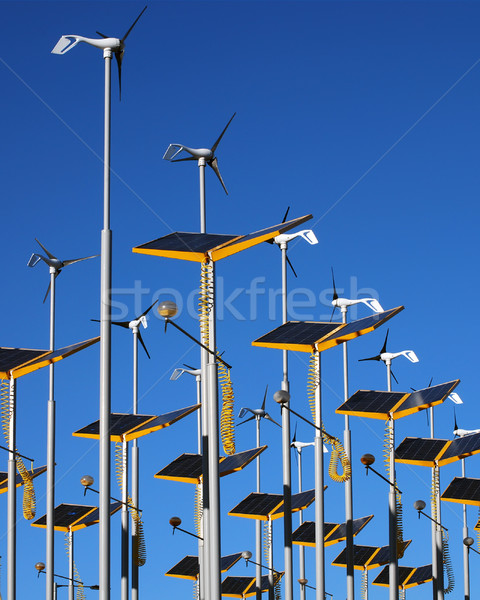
40, 566
167, 309
175, 521
468, 541
367, 459
87, 481
419, 505
246, 554
302, 581
282, 397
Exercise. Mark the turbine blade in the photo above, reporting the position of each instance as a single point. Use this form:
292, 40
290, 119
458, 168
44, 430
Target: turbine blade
75, 260
215, 145
335, 295
246, 420
291, 266
384, 347
331, 317
148, 309
294, 439
140, 339
428, 418
214, 164
430, 383
123, 324
455, 426
33, 260
269, 418
49, 254
393, 375
132, 26
119, 57
370, 358
285, 215
189, 367
264, 398
184, 159
102, 34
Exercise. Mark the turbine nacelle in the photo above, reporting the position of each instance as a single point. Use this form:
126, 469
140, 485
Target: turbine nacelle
135, 324
258, 412
455, 398
301, 445
306, 234
67, 42
175, 149
465, 432
387, 357
178, 372
372, 303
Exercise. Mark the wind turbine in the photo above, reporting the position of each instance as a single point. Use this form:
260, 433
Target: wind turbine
134, 327
55, 266
387, 357
258, 414
109, 46
343, 304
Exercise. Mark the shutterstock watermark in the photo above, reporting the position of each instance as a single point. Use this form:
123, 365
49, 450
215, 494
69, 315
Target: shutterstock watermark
258, 300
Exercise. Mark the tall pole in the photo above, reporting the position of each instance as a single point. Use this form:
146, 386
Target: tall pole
213, 454
105, 352
392, 504
432, 524
124, 522
466, 562
286, 454
301, 555
71, 587
439, 538
203, 216
12, 496
347, 441
271, 578
258, 527
319, 479
135, 467
201, 560
51, 450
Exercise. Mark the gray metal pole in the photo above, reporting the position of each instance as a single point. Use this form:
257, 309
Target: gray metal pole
135, 468
466, 562
258, 527
347, 442
105, 353
201, 563
392, 505
50, 567
71, 586
286, 454
203, 216
301, 553
271, 578
124, 523
439, 542
12, 498
319, 479
213, 456
54, 591
434, 516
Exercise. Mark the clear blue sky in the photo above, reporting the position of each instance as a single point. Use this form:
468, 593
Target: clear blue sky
365, 114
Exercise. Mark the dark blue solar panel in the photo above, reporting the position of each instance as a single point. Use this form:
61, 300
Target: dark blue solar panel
188, 242
463, 488
463, 446
429, 395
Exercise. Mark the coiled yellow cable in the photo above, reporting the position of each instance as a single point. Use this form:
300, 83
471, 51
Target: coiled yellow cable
447, 563
267, 540
80, 595
139, 550
364, 584
387, 447
198, 510
277, 586
29, 500
205, 304
338, 454
478, 530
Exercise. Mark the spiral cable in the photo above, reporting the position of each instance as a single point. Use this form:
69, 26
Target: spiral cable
29, 500
364, 584
139, 550
478, 530
80, 595
338, 455
267, 541
198, 508
447, 564
205, 305
387, 448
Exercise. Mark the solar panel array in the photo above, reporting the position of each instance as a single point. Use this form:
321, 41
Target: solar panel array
187, 568
465, 490
427, 451
304, 333
304, 535
361, 556
257, 505
14, 357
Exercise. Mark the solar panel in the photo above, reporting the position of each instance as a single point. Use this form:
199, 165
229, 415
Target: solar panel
227, 562
94, 517
296, 335
257, 505
420, 451
187, 568
126, 427
340, 533
460, 448
383, 556
188, 467
420, 575
427, 397
373, 404
361, 556
403, 574
300, 501
18, 478
357, 328
10, 358
304, 535
237, 586
198, 246
71, 517
465, 490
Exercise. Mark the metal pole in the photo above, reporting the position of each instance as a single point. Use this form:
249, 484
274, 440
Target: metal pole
392, 504
105, 353
12, 497
54, 591
258, 528
203, 217
319, 479
135, 468
439, 540
213, 456
286, 454
50, 567
466, 562
271, 579
432, 524
301, 554
71, 587
201, 564
347, 441
124, 522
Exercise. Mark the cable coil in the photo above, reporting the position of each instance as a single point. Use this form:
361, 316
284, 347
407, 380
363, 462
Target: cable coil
80, 595
29, 500
198, 508
338, 454
364, 584
139, 550
387, 449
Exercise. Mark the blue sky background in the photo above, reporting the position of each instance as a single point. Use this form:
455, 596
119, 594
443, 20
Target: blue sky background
362, 113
